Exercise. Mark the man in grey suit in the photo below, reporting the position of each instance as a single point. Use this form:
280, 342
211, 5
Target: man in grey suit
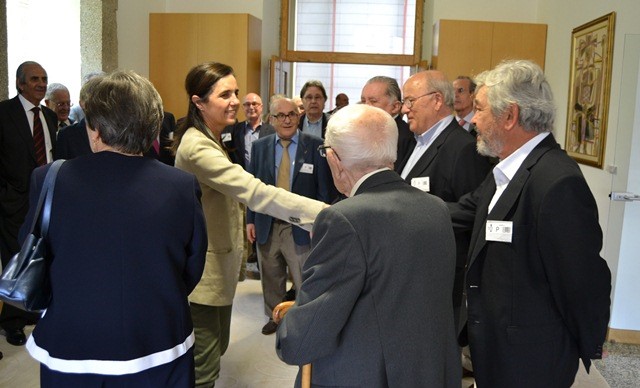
27, 140
375, 308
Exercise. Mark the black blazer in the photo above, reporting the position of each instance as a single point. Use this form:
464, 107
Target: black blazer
17, 161
235, 146
325, 120
542, 301
406, 140
166, 141
123, 254
73, 141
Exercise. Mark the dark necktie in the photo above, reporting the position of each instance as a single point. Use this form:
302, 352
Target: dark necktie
284, 170
62, 124
38, 138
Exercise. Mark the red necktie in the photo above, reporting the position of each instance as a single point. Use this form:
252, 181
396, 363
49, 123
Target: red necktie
462, 122
38, 138
156, 146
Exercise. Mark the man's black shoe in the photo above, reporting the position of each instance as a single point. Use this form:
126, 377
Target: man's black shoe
270, 327
16, 337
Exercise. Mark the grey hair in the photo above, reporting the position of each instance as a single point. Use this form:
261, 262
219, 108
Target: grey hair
444, 87
523, 83
278, 98
125, 109
364, 137
53, 88
472, 84
21, 74
393, 89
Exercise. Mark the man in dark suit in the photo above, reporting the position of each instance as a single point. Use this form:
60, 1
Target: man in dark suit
287, 159
58, 100
161, 148
384, 93
238, 138
538, 292
374, 309
314, 120
27, 140
464, 91
444, 162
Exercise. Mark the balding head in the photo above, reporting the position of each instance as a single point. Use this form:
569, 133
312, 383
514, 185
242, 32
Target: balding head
428, 98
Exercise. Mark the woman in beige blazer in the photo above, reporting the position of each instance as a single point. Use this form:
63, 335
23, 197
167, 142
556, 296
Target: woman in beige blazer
213, 104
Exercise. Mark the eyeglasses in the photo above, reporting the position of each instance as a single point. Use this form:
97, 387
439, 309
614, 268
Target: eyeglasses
409, 101
64, 103
322, 150
253, 104
309, 98
282, 116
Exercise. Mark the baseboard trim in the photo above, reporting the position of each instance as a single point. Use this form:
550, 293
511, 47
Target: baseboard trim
623, 336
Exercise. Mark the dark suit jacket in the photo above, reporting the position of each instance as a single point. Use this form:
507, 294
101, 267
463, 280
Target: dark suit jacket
235, 146
454, 168
374, 309
406, 140
73, 141
124, 254
166, 140
317, 185
539, 303
325, 120
17, 161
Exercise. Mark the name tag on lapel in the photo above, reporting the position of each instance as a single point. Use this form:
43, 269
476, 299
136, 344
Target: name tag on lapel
501, 231
226, 137
421, 183
306, 168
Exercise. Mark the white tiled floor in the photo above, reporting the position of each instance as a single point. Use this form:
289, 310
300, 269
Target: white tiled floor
250, 361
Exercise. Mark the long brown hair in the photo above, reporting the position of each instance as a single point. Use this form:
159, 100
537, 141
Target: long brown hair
199, 82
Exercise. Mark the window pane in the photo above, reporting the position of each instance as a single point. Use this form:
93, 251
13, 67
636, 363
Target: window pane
356, 26
347, 79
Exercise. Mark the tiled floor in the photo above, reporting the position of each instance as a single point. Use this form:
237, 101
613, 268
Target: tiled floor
250, 362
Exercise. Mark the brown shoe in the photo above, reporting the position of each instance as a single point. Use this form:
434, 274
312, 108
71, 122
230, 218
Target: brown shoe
270, 327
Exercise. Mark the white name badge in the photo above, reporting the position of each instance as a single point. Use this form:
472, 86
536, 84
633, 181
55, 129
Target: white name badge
170, 135
226, 137
421, 183
306, 168
499, 231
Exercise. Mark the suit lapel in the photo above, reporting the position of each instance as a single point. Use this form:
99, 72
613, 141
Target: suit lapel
270, 151
301, 154
509, 197
430, 154
19, 117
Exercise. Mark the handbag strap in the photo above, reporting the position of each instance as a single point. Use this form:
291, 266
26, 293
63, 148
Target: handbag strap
46, 197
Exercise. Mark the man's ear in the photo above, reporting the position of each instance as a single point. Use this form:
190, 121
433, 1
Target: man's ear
512, 116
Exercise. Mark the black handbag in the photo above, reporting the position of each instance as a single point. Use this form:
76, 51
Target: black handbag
24, 282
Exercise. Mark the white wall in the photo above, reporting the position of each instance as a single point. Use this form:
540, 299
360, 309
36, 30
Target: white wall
560, 16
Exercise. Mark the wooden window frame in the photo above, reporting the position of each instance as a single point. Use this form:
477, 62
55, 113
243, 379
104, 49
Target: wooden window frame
349, 58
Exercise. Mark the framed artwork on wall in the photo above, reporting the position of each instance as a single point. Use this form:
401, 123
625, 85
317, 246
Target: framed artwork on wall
589, 90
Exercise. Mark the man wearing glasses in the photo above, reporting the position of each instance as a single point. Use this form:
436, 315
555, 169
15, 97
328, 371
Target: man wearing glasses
239, 138
444, 162
287, 159
58, 100
375, 307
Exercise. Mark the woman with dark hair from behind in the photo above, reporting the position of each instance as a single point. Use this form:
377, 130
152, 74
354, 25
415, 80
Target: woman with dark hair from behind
124, 254
213, 103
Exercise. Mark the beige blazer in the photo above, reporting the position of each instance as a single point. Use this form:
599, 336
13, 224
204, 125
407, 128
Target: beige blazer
225, 184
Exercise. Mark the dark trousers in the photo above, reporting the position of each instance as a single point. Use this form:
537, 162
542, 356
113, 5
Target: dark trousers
178, 373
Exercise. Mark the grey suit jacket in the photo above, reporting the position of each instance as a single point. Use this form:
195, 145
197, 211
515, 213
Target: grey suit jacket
374, 309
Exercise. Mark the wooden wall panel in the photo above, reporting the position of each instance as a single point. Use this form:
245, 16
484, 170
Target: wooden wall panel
177, 42
519, 41
464, 47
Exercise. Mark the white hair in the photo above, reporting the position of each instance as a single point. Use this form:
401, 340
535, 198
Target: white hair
364, 137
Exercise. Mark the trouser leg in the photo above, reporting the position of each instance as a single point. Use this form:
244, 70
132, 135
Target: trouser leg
211, 326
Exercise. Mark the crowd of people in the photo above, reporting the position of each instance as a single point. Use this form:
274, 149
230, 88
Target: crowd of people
429, 230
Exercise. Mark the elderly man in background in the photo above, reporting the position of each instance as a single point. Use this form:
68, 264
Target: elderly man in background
464, 91
58, 100
314, 120
538, 292
374, 309
384, 92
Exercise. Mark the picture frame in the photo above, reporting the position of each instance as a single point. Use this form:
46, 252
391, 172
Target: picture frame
589, 90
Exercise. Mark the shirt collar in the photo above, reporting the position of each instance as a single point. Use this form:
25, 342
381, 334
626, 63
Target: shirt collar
363, 178
510, 165
294, 138
433, 132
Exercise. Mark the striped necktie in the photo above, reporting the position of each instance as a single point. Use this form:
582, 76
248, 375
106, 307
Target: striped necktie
38, 138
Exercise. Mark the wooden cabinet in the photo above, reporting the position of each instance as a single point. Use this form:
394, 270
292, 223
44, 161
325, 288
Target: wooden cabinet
179, 41
462, 47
